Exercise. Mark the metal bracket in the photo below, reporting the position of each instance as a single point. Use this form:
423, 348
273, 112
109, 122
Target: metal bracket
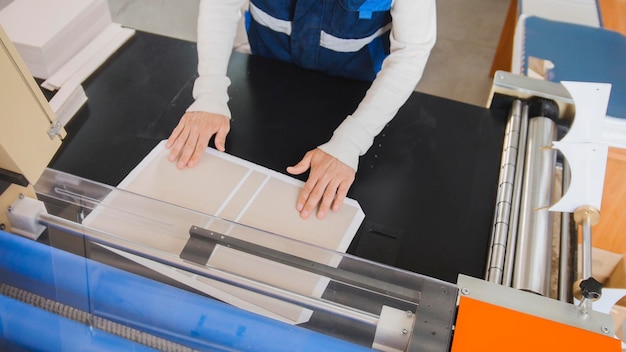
55, 129
522, 87
210, 238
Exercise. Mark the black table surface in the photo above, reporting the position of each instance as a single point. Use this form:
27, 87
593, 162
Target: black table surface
427, 185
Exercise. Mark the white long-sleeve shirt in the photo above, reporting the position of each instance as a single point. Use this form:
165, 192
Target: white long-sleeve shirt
413, 34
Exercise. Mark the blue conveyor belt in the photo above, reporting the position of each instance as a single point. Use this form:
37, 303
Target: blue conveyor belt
27, 328
146, 305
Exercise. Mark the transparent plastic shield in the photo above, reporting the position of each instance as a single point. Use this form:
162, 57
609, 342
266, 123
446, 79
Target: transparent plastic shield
275, 277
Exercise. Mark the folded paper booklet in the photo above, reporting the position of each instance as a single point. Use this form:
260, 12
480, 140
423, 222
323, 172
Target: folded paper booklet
243, 193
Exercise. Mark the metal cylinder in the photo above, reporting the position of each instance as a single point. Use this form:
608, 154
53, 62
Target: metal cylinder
506, 186
586, 245
586, 259
533, 260
587, 216
515, 202
568, 247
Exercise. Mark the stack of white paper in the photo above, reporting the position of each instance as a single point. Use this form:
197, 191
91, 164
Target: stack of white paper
63, 42
68, 100
240, 192
49, 33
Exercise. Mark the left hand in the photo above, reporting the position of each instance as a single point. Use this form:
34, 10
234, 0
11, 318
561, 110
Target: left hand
191, 136
327, 185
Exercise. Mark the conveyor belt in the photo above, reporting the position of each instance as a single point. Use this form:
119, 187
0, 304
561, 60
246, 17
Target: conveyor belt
91, 320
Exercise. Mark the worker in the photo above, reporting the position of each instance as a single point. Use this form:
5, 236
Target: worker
385, 41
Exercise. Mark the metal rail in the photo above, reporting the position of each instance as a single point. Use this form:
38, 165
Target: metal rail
504, 199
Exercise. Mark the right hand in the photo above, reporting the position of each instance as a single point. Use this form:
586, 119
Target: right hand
191, 136
327, 185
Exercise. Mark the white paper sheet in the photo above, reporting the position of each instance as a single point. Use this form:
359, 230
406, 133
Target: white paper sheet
239, 191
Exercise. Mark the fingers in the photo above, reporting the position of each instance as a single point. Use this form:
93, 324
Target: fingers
175, 134
342, 193
309, 197
327, 199
191, 136
322, 194
298, 169
195, 153
220, 138
302, 166
177, 139
188, 149
327, 185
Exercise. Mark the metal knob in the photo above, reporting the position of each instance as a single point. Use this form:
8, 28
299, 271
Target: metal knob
591, 288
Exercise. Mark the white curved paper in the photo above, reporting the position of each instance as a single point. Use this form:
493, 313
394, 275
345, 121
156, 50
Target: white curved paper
583, 148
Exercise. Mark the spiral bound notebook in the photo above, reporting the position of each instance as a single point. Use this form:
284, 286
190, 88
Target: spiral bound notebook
560, 51
584, 12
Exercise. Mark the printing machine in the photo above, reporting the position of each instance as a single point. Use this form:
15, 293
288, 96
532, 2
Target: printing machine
59, 291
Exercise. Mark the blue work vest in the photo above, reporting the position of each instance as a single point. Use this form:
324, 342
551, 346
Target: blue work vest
348, 38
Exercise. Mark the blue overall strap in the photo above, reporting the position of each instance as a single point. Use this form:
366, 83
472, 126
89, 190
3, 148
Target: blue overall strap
370, 6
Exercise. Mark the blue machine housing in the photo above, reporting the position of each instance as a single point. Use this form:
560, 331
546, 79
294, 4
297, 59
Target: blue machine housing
167, 312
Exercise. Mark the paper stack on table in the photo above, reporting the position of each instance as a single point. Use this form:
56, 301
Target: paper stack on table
63, 42
243, 193
48, 33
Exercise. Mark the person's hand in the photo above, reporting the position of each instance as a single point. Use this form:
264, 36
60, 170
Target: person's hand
190, 138
327, 185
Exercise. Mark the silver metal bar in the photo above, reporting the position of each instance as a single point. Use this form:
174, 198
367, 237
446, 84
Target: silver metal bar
533, 257
506, 185
337, 274
515, 202
587, 216
586, 244
567, 247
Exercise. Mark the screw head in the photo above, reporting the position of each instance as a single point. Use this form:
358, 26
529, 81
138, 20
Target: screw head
405, 331
465, 291
605, 330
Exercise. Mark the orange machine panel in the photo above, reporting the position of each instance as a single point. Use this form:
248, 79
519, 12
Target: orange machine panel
482, 326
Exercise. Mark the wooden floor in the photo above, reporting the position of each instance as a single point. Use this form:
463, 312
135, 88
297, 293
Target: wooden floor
614, 14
